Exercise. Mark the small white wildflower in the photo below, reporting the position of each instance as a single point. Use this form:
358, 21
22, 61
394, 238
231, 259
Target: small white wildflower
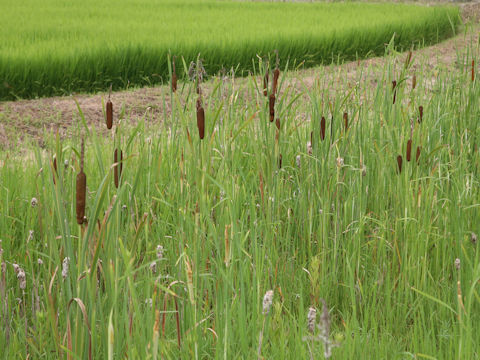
40, 261
267, 302
149, 302
124, 207
34, 202
309, 148
298, 160
153, 267
474, 238
21, 277
65, 163
160, 251
457, 263
65, 267
340, 162
312, 319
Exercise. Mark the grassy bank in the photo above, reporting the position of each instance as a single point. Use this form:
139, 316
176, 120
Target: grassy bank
58, 47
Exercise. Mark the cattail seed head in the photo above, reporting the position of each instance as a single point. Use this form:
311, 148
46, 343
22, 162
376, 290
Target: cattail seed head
322, 128
276, 74
414, 81
399, 163
419, 149
311, 319
200, 120
174, 76
457, 264
267, 302
109, 114
473, 70
394, 86
117, 171
271, 104
420, 112
345, 120
277, 123
81, 187
409, 149
34, 202
65, 267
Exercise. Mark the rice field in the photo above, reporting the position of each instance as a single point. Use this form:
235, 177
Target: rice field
58, 47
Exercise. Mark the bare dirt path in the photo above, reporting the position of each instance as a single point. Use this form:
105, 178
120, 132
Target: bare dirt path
30, 119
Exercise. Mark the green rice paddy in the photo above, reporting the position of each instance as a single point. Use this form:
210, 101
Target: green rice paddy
55, 47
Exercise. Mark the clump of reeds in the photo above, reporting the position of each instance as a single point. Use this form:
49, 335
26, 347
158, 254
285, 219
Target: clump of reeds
81, 188
117, 170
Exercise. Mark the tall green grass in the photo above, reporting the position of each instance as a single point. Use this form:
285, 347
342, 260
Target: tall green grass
344, 225
57, 47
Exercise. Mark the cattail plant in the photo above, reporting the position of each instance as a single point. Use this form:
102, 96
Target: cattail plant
200, 119
276, 75
280, 161
420, 113
55, 172
414, 82
473, 70
419, 149
174, 76
322, 128
109, 111
117, 170
345, 120
81, 188
409, 149
399, 163
271, 104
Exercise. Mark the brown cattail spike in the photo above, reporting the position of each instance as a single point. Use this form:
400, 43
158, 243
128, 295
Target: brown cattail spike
280, 161
409, 149
277, 123
276, 74
399, 163
271, 103
81, 188
414, 81
55, 168
394, 88
200, 119
420, 112
345, 119
322, 128
473, 70
419, 149
117, 170
109, 114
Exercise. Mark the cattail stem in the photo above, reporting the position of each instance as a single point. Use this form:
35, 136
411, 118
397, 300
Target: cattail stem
81, 187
